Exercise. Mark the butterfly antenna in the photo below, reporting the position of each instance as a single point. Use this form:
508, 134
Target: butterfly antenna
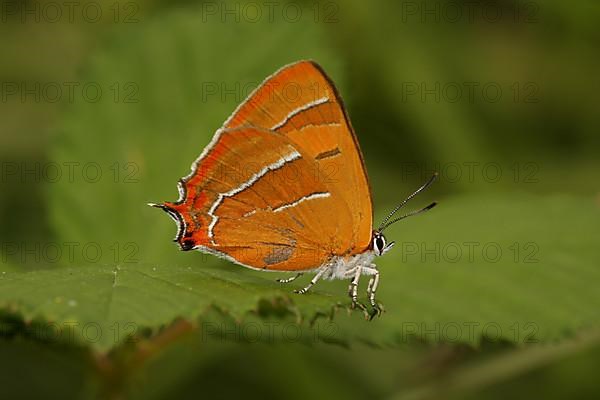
384, 224
410, 214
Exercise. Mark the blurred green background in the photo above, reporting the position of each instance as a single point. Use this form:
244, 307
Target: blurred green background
105, 104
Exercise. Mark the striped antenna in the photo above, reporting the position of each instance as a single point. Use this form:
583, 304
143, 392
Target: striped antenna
384, 224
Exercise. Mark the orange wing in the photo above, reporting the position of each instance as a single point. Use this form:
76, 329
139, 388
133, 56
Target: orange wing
255, 199
300, 102
282, 186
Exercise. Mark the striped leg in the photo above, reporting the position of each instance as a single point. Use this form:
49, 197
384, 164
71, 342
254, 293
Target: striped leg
372, 288
288, 280
353, 291
312, 282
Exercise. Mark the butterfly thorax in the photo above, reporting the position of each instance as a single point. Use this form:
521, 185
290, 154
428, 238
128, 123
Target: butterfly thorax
340, 267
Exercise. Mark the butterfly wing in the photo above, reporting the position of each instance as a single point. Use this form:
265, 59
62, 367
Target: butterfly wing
254, 198
301, 103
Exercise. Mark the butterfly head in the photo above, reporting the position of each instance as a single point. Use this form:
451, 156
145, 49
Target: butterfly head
378, 242
380, 245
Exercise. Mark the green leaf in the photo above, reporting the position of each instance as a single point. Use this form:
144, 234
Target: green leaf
102, 306
431, 294
531, 277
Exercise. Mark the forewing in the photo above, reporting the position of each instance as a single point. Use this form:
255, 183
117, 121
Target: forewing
301, 103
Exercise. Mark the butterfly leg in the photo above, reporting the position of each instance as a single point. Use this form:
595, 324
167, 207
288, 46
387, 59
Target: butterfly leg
312, 282
372, 288
353, 291
288, 280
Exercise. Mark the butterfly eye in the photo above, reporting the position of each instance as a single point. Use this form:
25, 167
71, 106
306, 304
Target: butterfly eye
379, 244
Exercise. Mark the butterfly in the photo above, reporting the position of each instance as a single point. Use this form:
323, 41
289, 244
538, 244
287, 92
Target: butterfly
282, 186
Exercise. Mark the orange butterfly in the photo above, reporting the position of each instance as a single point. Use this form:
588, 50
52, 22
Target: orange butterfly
282, 186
